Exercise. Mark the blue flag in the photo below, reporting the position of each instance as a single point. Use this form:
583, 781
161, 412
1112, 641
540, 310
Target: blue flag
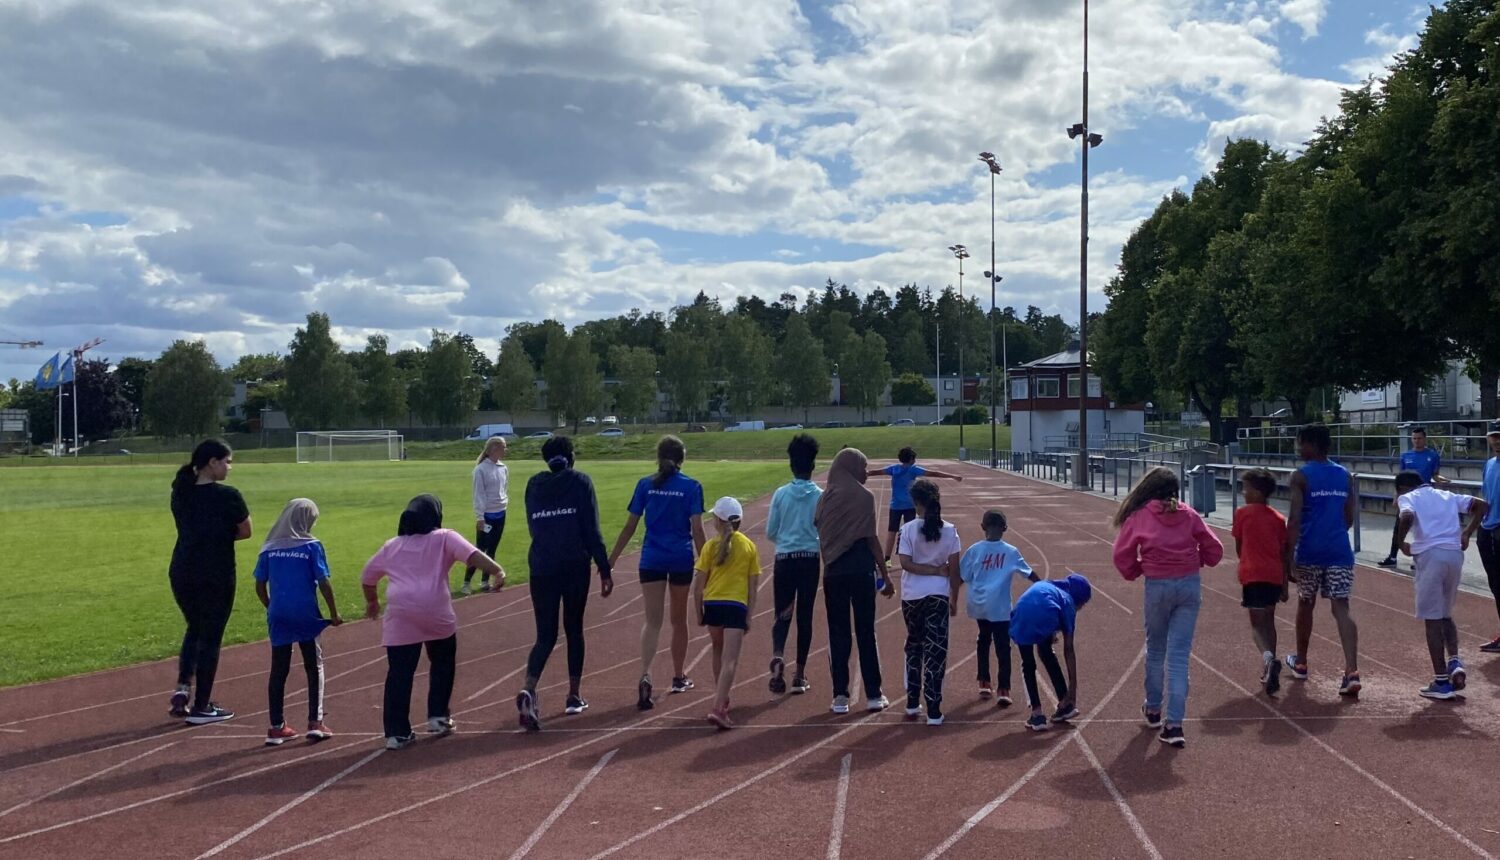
65, 376
47, 375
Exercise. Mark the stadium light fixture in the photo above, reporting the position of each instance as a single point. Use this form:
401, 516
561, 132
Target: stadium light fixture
962, 254
994, 166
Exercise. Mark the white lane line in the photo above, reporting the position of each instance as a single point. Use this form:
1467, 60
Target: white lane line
77, 782
305, 796
984, 811
541, 830
507, 604
156, 737
1114, 792
613, 612
168, 796
840, 803
14, 731
1348, 762
495, 683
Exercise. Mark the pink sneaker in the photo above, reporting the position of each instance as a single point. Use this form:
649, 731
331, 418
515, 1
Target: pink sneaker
318, 731
720, 718
278, 735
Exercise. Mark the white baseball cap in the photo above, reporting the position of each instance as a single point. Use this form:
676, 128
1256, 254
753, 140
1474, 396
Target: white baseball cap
728, 508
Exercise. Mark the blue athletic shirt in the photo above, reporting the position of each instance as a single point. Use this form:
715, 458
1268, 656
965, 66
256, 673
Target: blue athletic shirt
293, 575
669, 511
987, 568
1042, 611
1492, 492
902, 477
1324, 538
1425, 462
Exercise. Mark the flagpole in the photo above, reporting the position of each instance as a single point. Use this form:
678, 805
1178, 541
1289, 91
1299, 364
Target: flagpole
77, 357
57, 426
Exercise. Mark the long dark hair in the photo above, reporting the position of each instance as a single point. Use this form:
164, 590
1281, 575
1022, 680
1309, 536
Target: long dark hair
423, 515
208, 449
670, 452
1158, 485
926, 495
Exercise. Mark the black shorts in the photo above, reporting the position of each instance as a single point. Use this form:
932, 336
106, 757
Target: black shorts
899, 516
1260, 595
674, 577
733, 616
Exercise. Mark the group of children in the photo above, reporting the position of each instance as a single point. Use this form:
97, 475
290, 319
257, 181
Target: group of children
1157, 540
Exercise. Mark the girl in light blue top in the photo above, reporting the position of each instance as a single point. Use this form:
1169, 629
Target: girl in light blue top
987, 568
795, 577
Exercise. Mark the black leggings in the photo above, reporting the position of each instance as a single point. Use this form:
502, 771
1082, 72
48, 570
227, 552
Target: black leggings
206, 604
551, 592
487, 542
1489, 555
1029, 655
794, 581
281, 667
998, 633
401, 670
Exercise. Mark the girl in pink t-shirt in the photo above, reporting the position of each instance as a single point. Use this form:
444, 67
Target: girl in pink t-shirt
418, 612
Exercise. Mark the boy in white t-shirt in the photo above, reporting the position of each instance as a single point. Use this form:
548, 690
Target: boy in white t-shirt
1433, 521
987, 568
929, 550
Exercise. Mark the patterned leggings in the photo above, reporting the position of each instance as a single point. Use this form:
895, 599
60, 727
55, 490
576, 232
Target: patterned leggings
926, 651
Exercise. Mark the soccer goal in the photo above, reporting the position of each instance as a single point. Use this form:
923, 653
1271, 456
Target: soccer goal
338, 446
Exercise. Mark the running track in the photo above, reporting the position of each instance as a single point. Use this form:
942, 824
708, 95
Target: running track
92, 765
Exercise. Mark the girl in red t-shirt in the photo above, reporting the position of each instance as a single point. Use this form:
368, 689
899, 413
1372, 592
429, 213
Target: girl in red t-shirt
1260, 541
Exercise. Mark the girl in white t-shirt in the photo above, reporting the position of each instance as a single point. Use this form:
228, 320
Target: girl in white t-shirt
929, 550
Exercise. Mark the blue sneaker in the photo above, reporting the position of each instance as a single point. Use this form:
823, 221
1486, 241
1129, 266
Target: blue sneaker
1350, 686
1456, 674
1440, 688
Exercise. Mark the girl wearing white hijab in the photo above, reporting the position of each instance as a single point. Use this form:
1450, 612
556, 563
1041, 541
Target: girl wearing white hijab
290, 572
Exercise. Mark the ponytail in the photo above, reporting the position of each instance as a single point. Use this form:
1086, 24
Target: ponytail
725, 539
187, 476
670, 452
925, 495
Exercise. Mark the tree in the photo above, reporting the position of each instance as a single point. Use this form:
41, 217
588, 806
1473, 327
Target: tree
801, 366
686, 372
635, 374
382, 390
910, 389
838, 336
909, 353
575, 386
186, 392
865, 372
131, 375
513, 387
320, 390
101, 408
745, 355
1121, 356
447, 390
262, 366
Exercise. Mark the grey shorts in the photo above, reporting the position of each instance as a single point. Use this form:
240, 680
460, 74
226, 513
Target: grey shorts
1438, 574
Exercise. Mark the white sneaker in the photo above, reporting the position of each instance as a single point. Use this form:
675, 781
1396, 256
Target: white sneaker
440, 726
878, 704
914, 712
935, 721
400, 743
840, 705
466, 590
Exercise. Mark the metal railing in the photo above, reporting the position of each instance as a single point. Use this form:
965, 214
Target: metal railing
1452, 439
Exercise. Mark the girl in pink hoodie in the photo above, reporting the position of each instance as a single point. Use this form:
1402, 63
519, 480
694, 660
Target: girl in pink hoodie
1167, 544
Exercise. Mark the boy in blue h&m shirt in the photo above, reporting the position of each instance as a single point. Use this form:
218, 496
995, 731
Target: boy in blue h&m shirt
987, 568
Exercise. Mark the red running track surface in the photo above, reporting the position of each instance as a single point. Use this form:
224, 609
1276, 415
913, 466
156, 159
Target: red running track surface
91, 765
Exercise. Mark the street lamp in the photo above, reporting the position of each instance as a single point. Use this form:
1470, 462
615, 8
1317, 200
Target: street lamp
1087, 141
989, 159
962, 254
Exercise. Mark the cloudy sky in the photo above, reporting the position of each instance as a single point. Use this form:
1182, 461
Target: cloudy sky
218, 168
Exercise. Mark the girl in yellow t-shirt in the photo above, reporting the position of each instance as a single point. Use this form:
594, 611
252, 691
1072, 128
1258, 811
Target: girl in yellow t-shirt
724, 592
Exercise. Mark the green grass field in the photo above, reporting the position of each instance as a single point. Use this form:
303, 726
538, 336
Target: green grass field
85, 549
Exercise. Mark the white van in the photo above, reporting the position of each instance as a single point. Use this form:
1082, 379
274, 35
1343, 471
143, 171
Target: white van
745, 426
485, 431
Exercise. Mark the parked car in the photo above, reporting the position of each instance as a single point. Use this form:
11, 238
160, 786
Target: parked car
745, 426
612, 433
590, 421
788, 427
872, 424
540, 434
834, 424
485, 431
610, 421
695, 428
903, 422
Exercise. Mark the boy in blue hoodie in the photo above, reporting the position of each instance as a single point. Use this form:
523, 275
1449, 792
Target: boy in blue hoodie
987, 568
795, 577
1045, 610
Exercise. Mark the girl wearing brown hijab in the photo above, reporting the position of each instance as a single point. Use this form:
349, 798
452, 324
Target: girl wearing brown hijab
850, 545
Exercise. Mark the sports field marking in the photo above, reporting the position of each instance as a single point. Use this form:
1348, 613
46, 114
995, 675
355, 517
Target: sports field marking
80, 781
495, 683
1350, 763
522, 595
168, 796
985, 811
541, 830
840, 803
305, 796
13, 731
151, 737
621, 607
1114, 792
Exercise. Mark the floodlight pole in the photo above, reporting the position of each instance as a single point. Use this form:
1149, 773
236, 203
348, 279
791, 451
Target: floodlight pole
962, 254
994, 277
1087, 140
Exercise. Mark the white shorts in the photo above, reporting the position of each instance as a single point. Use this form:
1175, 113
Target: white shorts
1438, 574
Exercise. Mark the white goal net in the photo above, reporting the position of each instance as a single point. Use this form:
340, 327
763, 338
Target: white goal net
338, 446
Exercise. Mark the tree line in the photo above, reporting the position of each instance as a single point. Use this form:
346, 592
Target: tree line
706, 359
1370, 258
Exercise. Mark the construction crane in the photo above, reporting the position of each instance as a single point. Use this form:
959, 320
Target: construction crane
77, 360
23, 344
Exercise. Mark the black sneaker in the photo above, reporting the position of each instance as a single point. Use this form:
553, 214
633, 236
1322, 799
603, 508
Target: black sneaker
1064, 713
180, 701
681, 684
1388, 561
643, 695
1038, 723
800, 685
778, 682
211, 714
526, 711
1172, 736
576, 705
1153, 718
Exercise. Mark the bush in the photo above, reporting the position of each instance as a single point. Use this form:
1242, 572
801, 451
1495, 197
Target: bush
972, 415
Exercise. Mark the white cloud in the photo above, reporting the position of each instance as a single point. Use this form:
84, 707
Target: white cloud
1386, 45
1306, 14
